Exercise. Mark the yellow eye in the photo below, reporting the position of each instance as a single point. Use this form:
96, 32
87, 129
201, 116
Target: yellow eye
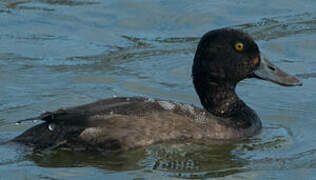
239, 46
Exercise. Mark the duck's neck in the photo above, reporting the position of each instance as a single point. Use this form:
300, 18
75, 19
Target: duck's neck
221, 100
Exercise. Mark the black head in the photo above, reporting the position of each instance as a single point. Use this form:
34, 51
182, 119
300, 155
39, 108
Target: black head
223, 58
225, 55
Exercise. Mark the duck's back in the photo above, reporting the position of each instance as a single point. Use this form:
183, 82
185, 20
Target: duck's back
125, 122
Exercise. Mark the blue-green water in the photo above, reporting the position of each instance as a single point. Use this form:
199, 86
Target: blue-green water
63, 53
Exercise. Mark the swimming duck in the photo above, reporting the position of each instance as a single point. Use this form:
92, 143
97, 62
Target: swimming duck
223, 58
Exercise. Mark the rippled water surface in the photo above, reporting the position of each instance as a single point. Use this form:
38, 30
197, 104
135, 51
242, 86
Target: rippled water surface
62, 53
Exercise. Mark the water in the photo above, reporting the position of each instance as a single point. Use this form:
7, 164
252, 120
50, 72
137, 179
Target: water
62, 53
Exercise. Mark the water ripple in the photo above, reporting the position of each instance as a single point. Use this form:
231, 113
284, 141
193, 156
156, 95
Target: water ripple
282, 26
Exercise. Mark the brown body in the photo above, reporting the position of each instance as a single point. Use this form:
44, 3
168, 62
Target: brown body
223, 58
128, 123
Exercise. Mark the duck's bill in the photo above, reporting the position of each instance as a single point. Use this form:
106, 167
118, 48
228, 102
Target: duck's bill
270, 72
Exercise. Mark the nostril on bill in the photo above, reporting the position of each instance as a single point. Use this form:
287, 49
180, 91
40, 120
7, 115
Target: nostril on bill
271, 68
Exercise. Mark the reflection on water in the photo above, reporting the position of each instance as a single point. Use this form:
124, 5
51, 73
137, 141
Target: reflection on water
64, 53
196, 161
177, 160
124, 161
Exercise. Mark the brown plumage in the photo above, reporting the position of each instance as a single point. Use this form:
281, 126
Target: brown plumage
129, 122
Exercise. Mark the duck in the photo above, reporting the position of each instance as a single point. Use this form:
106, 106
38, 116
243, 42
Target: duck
223, 58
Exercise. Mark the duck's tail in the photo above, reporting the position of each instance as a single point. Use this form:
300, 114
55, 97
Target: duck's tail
4, 122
